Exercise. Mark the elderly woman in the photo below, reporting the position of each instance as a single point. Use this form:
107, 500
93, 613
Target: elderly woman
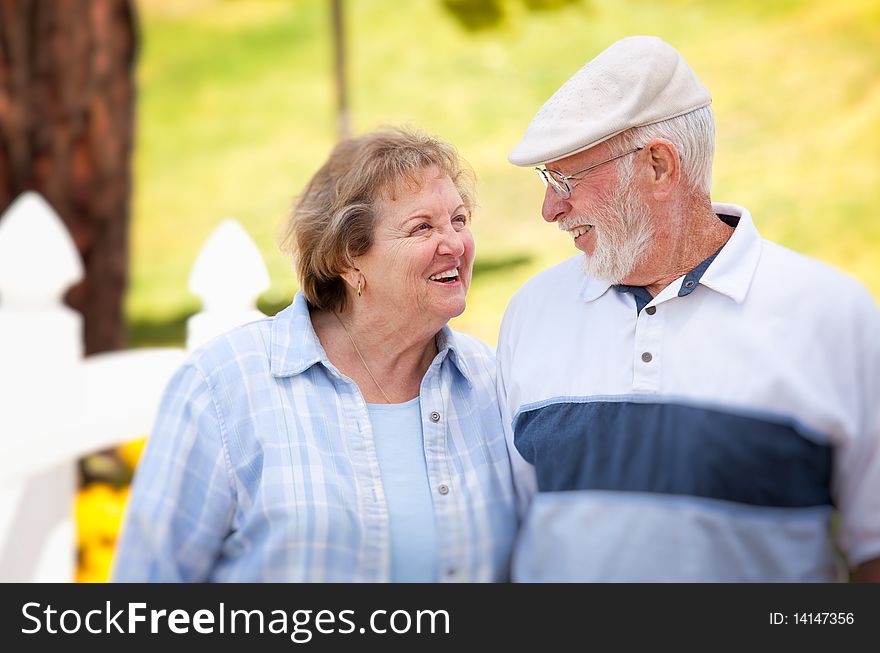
354, 436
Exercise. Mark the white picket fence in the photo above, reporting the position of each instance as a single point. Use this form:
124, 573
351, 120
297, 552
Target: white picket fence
57, 406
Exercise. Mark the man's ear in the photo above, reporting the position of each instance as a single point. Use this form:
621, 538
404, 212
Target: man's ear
665, 165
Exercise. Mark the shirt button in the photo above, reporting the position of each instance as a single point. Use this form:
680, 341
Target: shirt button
646, 357
443, 489
435, 416
690, 283
651, 310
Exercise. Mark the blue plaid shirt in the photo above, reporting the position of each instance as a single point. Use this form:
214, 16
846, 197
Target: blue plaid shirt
262, 467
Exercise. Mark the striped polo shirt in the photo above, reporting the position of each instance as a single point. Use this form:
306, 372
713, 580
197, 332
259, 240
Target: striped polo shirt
709, 433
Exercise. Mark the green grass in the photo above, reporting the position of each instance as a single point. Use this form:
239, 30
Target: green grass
236, 112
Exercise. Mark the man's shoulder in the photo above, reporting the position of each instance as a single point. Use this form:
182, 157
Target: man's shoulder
563, 278
810, 278
544, 301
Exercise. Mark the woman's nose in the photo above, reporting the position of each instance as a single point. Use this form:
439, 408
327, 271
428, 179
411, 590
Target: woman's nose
451, 243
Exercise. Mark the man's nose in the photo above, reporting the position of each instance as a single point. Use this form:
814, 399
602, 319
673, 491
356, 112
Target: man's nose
554, 208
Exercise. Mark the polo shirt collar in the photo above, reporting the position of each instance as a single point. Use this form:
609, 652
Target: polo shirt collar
733, 269
294, 346
729, 271
593, 288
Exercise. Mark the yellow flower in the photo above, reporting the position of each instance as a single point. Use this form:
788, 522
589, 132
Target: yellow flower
88, 575
99, 511
130, 452
95, 563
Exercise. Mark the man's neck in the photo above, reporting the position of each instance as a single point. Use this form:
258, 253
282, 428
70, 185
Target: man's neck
676, 251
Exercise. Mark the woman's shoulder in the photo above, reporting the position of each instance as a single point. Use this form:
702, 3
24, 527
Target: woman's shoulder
248, 341
475, 355
469, 345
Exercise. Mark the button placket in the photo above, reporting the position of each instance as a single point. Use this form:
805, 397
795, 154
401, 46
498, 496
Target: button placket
647, 348
439, 469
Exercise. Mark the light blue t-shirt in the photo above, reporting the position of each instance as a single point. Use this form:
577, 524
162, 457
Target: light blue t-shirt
397, 430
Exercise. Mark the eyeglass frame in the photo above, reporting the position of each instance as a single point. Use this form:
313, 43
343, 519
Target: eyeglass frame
566, 191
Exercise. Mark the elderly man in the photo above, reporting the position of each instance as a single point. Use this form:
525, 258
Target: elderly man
684, 400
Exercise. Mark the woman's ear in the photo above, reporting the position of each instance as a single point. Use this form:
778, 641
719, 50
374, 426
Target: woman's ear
354, 278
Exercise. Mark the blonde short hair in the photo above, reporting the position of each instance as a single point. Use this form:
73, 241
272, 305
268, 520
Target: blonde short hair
332, 222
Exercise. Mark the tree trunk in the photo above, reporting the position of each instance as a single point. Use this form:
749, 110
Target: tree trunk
343, 119
66, 131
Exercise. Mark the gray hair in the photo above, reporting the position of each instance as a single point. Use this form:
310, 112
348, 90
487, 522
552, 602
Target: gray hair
693, 135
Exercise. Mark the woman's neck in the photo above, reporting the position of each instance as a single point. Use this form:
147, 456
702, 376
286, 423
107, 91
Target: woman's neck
387, 362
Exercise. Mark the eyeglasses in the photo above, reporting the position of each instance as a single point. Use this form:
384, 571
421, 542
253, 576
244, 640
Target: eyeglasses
560, 182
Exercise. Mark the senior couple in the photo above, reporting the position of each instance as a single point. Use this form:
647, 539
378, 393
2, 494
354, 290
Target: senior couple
681, 401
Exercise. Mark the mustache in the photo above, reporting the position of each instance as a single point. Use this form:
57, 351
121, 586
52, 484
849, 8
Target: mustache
571, 222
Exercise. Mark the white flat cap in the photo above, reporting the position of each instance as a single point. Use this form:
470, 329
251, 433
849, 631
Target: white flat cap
636, 81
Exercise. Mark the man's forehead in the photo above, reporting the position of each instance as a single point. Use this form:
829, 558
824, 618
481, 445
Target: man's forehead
581, 160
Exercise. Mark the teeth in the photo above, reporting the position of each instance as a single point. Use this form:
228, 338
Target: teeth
449, 274
580, 231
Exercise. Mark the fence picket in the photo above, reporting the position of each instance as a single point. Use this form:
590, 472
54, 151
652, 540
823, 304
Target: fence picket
56, 406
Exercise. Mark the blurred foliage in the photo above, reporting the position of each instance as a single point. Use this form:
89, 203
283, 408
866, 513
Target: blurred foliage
475, 15
236, 111
546, 5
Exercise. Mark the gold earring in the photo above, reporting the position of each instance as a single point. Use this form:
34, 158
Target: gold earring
359, 288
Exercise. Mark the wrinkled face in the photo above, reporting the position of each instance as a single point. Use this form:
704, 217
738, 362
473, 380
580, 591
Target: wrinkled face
605, 216
623, 233
419, 267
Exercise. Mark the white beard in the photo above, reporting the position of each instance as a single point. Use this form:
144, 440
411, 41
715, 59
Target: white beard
623, 232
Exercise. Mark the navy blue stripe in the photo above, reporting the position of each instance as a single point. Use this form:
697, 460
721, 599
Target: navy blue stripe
643, 297
692, 278
673, 449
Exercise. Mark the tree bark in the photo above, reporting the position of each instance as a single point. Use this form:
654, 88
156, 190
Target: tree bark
66, 131
343, 119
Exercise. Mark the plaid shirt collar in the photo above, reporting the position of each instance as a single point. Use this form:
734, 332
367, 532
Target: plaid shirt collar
295, 346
